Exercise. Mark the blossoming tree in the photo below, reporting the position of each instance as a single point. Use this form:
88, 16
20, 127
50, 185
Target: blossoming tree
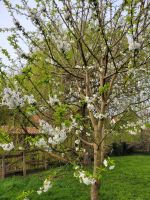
99, 49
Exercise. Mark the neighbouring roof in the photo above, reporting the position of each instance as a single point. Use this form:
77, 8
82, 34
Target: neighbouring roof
19, 130
25, 130
36, 118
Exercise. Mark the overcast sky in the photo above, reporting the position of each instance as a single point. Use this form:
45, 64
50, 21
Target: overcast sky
6, 22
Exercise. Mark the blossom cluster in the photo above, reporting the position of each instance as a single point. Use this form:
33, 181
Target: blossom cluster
92, 108
13, 98
77, 142
30, 99
85, 67
108, 163
132, 132
83, 177
53, 100
56, 135
100, 116
132, 128
41, 143
74, 124
7, 146
46, 186
77, 145
133, 45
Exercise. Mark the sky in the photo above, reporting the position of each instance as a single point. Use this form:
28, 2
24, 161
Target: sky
6, 22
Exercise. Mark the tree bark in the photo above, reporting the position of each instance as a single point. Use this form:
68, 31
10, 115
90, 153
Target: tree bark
98, 160
95, 191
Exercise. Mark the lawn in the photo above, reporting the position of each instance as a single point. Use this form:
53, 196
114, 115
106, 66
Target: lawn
130, 180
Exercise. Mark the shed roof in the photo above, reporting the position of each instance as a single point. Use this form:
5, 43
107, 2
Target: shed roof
19, 130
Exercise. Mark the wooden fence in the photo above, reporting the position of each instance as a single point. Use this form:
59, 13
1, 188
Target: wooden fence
22, 162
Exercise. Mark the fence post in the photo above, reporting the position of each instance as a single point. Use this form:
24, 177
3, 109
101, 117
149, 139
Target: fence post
24, 163
3, 166
45, 161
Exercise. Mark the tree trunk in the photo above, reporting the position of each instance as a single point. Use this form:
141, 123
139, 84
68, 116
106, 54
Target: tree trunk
98, 160
95, 191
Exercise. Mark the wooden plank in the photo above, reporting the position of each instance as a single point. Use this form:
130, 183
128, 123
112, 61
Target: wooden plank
3, 167
45, 161
24, 163
23, 159
34, 161
11, 156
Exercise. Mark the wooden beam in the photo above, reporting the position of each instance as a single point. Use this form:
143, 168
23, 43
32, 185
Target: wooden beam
24, 163
3, 167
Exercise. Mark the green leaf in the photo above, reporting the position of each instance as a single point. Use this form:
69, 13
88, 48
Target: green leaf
104, 89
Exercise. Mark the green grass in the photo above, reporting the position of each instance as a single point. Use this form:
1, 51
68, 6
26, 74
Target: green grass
130, 180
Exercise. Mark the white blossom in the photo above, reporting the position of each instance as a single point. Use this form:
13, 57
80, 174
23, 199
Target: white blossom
77, 148
108, 163
76, 167
85, 179
88, 134
77, 141
84, 150
131, 132
56, 135
81, 128
7, 146
133, 45
91, 67
39, 191
86, 99
53, 100
41, 143
74, 123
63, 155
112, 167
20, 148
90, 107
46, 186
99, 116
105, 163
30, 99
78, 67
12, 98
77, 132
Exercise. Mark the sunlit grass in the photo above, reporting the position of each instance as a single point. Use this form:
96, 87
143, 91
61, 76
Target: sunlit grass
130, 180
